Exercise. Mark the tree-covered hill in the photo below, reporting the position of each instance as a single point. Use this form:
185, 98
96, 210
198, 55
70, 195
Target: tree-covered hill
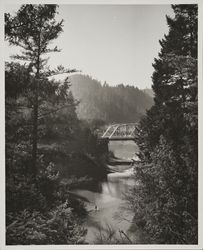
112, 104
149, 91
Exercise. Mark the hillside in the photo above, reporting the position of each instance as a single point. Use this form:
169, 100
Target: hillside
112, 104
148, 91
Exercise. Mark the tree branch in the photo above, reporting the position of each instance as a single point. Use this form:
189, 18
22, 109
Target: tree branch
59, 70
54, 111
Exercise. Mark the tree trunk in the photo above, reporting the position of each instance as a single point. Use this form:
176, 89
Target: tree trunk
35, 116
35, 132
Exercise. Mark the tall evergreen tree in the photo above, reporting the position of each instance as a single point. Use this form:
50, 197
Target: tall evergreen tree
32, 29
167, 196
180, 42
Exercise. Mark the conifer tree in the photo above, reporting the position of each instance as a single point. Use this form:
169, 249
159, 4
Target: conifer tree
32, 29
180, 42
166, 200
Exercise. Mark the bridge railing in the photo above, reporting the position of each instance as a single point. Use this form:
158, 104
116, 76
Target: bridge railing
119, 130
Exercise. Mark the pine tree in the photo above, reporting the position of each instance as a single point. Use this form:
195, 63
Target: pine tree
32, 29
175, 79
181, 42
166, 200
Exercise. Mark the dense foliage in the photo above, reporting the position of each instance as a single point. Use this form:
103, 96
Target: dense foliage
111, 104
40, 208
165, 199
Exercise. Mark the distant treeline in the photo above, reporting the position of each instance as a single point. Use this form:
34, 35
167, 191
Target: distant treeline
111, 104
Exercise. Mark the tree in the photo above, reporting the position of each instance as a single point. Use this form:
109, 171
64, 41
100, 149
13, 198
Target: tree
41, 124
32, 29
175, 80
165, 202
35, 207
181, 42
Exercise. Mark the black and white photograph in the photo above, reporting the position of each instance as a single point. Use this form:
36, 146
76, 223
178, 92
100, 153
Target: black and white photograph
101, 124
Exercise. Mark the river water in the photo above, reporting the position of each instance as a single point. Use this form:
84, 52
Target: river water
108, 208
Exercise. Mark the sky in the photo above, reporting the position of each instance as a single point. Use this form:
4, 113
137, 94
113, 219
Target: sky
112, 43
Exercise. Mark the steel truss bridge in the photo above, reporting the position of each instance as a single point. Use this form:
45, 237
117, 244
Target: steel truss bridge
120, 132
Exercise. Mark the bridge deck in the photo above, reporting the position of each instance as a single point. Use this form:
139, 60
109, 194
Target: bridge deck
119, 138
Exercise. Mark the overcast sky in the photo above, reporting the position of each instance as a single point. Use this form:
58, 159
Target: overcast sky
113, 43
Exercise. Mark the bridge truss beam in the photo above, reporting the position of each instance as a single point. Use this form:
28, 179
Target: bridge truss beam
120, 131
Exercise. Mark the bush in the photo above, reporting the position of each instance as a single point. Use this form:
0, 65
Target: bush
60, 226
42, 211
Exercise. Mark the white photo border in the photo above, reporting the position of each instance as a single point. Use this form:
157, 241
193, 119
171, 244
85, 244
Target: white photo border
199, 246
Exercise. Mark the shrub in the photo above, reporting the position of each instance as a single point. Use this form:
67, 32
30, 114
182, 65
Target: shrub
60, 226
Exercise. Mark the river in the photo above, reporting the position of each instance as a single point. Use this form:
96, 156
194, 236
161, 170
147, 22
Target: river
107, 208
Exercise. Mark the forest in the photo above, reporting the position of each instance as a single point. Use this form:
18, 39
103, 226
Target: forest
51, 148
116, 104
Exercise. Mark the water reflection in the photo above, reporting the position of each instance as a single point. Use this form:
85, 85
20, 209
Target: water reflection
123, 149
118, 183
109, 201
